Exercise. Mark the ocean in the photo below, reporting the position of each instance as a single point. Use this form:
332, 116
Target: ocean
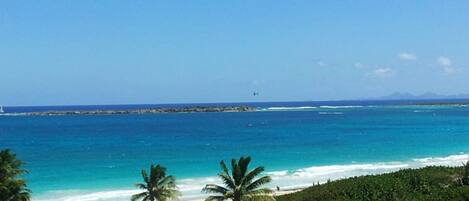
99, 158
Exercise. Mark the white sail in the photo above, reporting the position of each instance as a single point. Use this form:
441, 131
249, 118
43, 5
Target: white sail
1, 109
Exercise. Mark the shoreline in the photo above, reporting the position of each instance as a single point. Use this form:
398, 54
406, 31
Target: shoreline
218, 109
275, 193
288, 181
196, 109
225, 109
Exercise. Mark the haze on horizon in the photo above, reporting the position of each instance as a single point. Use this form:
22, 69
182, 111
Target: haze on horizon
130, 52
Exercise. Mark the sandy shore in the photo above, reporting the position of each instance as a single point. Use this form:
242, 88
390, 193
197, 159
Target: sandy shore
287, 191
275, 193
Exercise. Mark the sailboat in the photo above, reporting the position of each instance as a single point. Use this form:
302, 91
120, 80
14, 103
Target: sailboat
1, 109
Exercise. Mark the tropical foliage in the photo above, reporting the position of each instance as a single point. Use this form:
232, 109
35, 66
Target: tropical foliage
465, 174
11, 187
240, 184
157, 186
426, 184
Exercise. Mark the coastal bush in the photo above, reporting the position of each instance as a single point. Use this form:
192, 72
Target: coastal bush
11, 187
157, 186
465, 175
241, 184
425, 184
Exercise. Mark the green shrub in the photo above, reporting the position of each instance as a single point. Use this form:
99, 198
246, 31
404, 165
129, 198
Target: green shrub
425, 184
465, 175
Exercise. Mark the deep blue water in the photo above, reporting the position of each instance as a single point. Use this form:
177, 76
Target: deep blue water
107, 152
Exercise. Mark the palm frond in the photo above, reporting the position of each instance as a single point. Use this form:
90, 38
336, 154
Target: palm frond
139, 196
252, 174
228, 181
262, 191
167, 182
215, 198
236, 172
11, 187
238, 185
243, 164
141, 186
259, 182
212, 188
172, 194
157, 172
224, 168
145, 176
24, 196
263, 194
157, 185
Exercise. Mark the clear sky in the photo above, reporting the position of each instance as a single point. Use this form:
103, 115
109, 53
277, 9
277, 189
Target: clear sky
119, 52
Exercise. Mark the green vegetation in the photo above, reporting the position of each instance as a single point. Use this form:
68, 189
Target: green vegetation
157, 186
429, 184
465, 175
240, 185
11, 187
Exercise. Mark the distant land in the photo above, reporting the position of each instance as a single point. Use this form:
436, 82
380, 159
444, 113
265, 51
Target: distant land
424, 96
147, 111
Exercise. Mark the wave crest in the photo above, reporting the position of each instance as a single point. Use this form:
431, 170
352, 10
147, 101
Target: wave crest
286, 179
292, 108
340, 107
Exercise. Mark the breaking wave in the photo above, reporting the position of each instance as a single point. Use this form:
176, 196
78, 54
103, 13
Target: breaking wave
292, 108
340, 107
12, 114
311, 107
331, 113
286, 179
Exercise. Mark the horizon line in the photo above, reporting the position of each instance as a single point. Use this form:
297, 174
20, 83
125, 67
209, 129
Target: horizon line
241, 102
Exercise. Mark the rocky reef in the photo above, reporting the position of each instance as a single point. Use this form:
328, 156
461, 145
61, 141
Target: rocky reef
148, 111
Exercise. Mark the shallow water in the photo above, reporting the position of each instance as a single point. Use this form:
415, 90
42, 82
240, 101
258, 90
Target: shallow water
100, 157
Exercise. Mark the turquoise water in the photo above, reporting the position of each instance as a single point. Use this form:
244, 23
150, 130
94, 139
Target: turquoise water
87, 155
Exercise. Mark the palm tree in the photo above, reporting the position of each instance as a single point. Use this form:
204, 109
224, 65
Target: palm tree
12, 188
157, 186
240, 185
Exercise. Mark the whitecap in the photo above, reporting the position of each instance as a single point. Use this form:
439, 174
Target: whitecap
331, 113
422, 111
285, 179
292, 108
340, 107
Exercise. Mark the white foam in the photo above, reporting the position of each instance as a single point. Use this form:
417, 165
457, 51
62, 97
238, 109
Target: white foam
422, 111
311, 107
292, 108
278, 173
453, 160
340, 107
303, 177
12, 114
331, 113
76, 195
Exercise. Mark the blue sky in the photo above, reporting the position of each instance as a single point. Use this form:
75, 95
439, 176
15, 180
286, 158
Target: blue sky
113, 52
